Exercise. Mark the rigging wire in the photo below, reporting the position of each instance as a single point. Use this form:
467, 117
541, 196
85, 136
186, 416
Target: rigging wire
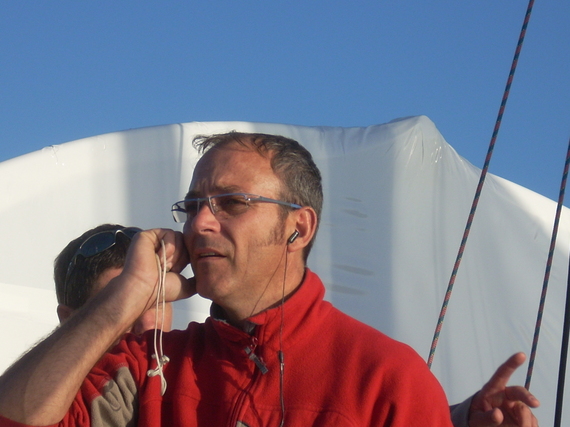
480, 185
547, 270
563, 356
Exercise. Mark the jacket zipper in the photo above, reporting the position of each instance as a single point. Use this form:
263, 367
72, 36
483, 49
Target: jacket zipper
262, 369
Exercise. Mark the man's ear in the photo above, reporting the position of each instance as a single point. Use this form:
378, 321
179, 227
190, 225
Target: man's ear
64, 312
303, 225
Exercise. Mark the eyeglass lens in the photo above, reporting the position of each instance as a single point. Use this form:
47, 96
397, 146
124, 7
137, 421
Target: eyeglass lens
223, 205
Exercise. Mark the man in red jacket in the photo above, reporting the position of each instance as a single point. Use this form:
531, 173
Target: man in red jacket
273, 351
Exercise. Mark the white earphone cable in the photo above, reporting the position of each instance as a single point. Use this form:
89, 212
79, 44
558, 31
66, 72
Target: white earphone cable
159, 356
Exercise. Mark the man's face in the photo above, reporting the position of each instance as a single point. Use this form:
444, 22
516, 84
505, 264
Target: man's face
235, 259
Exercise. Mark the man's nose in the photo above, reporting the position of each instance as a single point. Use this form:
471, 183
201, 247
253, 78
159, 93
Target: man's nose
205, 219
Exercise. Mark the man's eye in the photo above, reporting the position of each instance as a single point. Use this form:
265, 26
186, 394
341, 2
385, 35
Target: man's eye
232, 204
192, 206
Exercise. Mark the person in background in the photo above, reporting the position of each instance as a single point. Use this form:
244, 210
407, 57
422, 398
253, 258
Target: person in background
88, 263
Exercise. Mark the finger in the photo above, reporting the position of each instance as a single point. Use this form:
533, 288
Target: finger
502, 375
518, 393
179, 287
165, 242
522, 416
181, 258
174, 249
491, 418
141, 255
141, 263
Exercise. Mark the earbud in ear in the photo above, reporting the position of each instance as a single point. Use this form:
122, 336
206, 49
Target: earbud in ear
292, 237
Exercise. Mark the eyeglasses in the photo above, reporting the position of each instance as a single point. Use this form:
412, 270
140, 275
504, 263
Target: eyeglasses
223, 206
95, 245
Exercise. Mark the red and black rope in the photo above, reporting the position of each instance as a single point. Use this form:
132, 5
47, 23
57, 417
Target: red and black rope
479, 186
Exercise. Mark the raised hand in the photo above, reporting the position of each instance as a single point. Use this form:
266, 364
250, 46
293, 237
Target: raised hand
141, 264
497, 404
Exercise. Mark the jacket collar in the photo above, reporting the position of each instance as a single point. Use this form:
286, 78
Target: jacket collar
304, 307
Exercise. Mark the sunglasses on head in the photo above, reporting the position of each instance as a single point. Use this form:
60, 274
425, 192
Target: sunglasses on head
95, 245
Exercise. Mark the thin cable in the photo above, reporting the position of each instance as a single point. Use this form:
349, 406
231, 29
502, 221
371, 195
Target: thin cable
161, 301
479, 186
547, 270
264, 290
280, 353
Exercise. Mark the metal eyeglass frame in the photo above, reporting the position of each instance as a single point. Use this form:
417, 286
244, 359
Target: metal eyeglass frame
254, 198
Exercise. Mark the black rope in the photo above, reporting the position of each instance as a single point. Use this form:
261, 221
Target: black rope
547, 270
566, 325
563, 357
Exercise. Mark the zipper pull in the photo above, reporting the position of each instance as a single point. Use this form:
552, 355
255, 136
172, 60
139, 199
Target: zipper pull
258, 362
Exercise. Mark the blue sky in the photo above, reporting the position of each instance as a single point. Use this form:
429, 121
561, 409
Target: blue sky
76, 69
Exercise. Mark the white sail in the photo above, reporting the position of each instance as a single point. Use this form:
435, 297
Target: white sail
397, 197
